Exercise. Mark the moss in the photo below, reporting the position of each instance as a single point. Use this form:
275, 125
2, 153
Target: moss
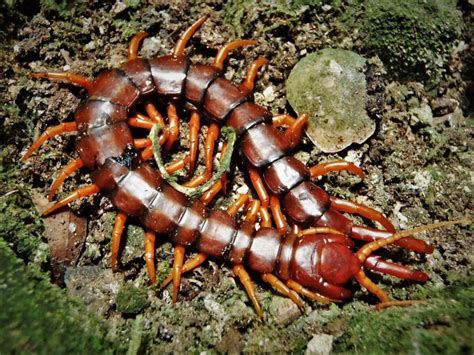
412, 37
443, 325
131, 300
38, 317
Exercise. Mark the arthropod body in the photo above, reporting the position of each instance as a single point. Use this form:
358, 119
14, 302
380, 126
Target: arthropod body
315, 258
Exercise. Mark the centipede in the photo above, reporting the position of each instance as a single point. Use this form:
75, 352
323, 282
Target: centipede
303, 245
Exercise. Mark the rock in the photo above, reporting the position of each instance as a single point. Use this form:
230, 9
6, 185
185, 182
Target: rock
320, 344
131, 300
284, 310
330, 85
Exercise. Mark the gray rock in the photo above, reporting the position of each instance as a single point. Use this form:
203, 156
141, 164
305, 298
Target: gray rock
320, 344
330, 85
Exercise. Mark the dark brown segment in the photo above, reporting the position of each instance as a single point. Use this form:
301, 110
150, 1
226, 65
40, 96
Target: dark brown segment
199, 78
246, 116
222, 96
306, 202
169, 74
98, 144
114, 86
306, 260
285, 257
216, 234
334, 219
241, 243
263, 144
96, 113
263, 252
138, 71
108, 175
284, 174
188, 227
135, 191
165, 211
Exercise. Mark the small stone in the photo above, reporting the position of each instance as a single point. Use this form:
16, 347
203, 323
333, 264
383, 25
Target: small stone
320, 344
284, 310
330, 85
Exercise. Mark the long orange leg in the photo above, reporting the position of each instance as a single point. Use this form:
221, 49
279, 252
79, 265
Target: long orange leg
177, 165
318, 230
252, 211
249, 81
307, 293
244, 277
279, 286
197, 260
177, 270
241, 201
186, 35
142, 143
73, 78
154, 114
265, 220
68, 170
134, 44
257, 183
50, 133
338, 165
295, 126
224, 51
209, 195
194, 127
117, 232
150, 254
278, 217
79, 193
173, 127
140, 121
364, 211
211, 137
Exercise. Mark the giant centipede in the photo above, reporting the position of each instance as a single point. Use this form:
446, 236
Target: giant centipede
314, 258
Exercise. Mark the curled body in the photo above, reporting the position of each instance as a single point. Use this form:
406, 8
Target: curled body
318, 263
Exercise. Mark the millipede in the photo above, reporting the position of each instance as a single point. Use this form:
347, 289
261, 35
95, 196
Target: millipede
303, 245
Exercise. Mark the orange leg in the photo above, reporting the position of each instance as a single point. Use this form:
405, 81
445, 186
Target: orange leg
283, 120
278, 217
117, 232
197, 260
177, 165
142, 143
224, 51
338, 165
50, 133
211, 137
265, 220
173, 127
194, 127
241, 201
249, 81
153, 113
68, 170
318, 230
209, 195
178, 49
73, 78
150, 255
141, 121
293, 132
177, 270
244, 277
252, 211
258, 185
279, 286
364, 211
79, 193
134, 44
307, 293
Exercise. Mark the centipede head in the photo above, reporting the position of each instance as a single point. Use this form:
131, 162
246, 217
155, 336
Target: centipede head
323, 265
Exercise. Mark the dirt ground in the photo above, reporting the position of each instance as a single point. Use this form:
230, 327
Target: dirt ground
419, 170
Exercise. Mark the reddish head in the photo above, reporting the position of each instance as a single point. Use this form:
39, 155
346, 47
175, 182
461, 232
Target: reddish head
323, 265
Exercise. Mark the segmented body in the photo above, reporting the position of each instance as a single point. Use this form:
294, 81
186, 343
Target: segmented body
323, 262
